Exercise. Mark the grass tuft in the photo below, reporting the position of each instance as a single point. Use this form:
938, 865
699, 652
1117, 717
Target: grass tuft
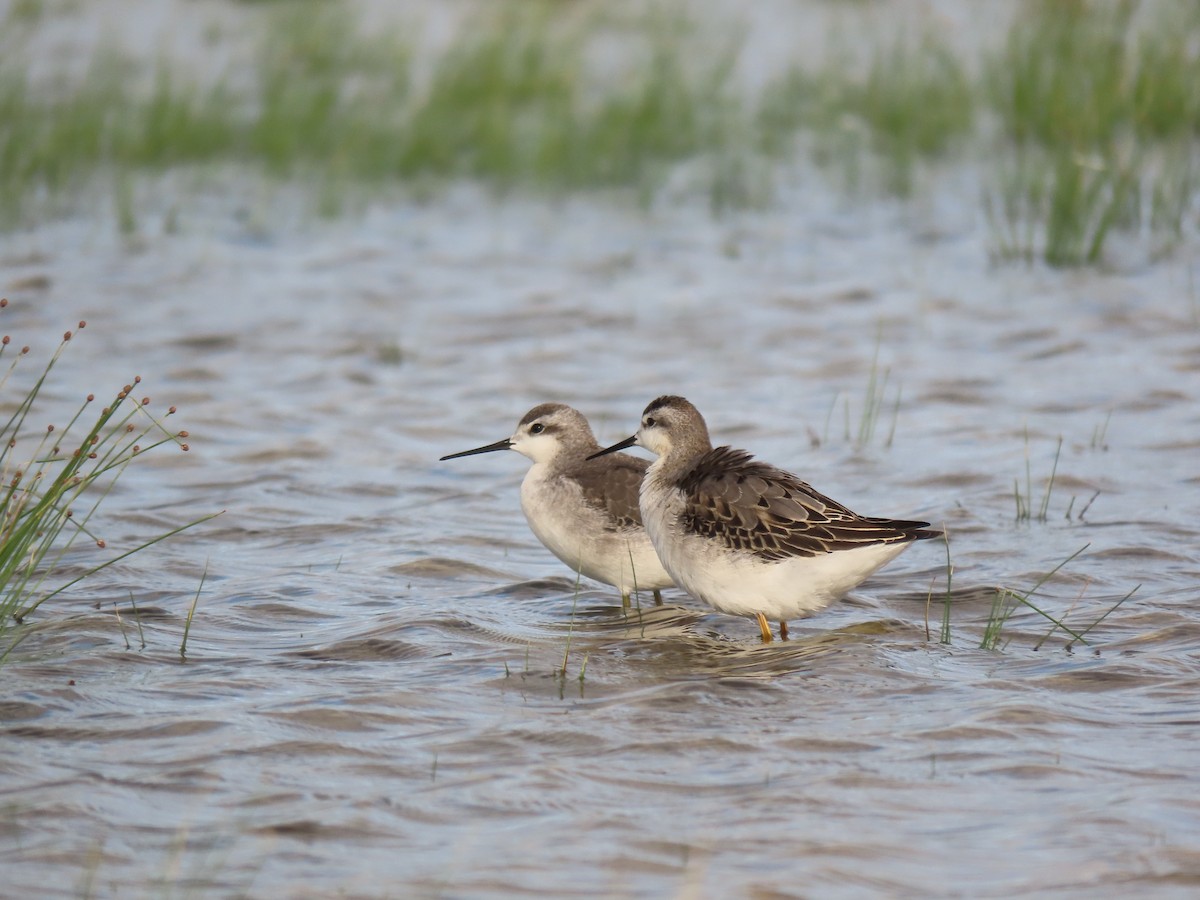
562, 670
1084, 118
187, 625
1024, 502
1095, 101
1007, 600
52, 482
944, 635
873, 400
915, 102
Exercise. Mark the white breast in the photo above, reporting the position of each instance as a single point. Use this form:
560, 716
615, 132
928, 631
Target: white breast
583, 537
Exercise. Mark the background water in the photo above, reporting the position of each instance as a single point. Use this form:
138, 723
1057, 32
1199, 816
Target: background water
373, 701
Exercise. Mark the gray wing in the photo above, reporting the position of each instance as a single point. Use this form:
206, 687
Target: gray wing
754, 507
611, 484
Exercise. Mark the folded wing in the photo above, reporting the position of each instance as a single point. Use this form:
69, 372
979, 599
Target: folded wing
757, 508
611, 484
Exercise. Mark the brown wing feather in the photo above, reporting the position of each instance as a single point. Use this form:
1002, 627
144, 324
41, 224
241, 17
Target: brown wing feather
611, 484
751, 506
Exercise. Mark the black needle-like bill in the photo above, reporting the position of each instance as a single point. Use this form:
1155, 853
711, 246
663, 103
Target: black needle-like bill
505, 444
628, 442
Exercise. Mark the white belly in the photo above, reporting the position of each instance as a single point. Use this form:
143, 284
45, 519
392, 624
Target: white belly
577, 534
743, 584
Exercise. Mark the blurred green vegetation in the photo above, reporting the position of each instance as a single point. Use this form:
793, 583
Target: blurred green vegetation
1083, 119
1100, 112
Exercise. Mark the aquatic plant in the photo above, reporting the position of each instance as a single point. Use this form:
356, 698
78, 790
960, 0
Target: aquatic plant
52, 484
947, 597
562, 669
1092, 126
1024, 501
187, 623
915, 102
509, 103
1007, 600
1095, 100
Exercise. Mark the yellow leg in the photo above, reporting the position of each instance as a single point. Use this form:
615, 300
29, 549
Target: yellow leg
624, 600
763, 627
783, 632
658, 598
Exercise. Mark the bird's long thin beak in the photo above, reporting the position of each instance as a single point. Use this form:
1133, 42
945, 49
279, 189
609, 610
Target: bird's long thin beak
628, 442
505, 444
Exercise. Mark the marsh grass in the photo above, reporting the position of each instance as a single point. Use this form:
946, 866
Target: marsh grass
562, 670
510, 103
1007, 601
327, 101
137, 618
1084, 632
873, 401
914, 102
52, 483
1087, 74
944, 634
514, 105
187, 624
862, 433
1003, 605
1085, 119
1061, 206
1096, 101
1024, 502
1100, 434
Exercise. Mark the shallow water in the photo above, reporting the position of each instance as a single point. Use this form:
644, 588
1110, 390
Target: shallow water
373, 703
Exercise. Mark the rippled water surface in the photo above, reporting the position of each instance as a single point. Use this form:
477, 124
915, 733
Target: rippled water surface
374, 700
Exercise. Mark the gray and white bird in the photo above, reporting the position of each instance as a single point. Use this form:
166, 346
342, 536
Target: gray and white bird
745, 537
584, 510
